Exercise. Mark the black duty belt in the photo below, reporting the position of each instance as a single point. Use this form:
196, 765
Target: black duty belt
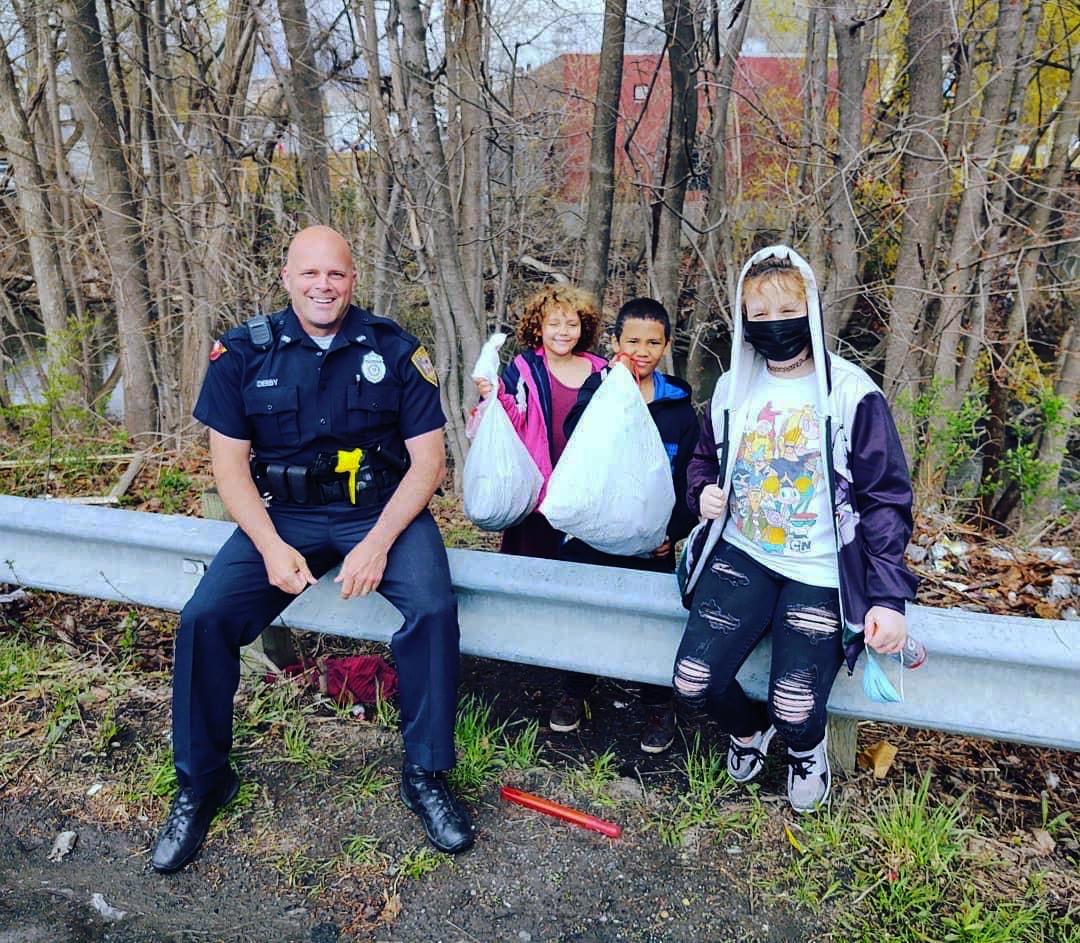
348, 476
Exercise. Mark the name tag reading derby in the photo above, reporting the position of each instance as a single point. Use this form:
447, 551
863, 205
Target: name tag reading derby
373, 367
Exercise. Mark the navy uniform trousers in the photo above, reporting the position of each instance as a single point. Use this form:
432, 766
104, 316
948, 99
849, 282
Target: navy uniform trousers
234, 602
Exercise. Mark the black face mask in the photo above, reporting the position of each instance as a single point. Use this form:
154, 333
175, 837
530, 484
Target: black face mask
779, 340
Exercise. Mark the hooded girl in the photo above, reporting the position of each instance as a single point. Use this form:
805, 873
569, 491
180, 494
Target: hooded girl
827, 576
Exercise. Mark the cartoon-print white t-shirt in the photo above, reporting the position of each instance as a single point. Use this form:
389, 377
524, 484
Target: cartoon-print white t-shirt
779, 503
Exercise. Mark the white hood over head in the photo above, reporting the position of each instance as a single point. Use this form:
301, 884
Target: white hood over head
747, 363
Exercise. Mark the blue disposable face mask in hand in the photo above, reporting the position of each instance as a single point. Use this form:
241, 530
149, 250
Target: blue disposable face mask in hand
876, 684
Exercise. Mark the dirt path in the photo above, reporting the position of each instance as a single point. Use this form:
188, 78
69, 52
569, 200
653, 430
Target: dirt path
525, 880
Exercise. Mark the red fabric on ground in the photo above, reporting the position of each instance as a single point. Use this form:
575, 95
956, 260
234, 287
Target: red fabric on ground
357, 679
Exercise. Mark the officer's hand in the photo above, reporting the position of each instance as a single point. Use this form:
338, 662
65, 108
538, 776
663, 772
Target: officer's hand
712, 502
362, 570
287, 569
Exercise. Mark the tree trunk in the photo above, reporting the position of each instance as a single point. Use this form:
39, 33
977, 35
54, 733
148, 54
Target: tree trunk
305, 100
924, 166
718, 265
815, 105
994, 339
118, 210
41, 235
852, 59
682, 132
448, 290
967, 239
213, 271
1047, 195
597, 235
67, 219
382, 195
968, 244
1055, 438
467, 88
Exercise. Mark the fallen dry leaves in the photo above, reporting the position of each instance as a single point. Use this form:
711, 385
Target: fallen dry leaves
878, 758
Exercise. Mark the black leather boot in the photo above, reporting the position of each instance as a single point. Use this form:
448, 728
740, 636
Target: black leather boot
188, 822
446, 822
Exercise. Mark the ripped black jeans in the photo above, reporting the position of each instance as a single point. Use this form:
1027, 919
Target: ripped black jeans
736, 601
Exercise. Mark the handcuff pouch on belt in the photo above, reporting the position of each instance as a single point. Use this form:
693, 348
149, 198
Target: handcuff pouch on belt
345, 475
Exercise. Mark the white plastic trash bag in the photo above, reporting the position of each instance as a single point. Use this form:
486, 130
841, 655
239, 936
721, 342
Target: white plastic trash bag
612, 487
502, 482
487, 364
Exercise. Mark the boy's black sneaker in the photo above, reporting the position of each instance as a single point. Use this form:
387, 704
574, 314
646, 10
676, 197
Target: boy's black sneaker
659, 731
566, 714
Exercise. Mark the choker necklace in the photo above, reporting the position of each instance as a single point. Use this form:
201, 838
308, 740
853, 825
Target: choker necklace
793, 366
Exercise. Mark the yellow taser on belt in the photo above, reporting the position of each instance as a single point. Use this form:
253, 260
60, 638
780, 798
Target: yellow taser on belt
350, 462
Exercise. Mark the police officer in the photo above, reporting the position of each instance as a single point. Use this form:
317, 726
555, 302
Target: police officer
334, 413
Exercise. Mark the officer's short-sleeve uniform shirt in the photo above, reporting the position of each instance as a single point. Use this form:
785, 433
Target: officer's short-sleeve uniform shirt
375, 385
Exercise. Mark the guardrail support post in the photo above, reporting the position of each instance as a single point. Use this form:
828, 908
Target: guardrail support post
843, 738
275, 642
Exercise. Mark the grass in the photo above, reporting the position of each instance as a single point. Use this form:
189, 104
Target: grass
901, 872
420, 862
129, 634
20, 664
462, 536
1057, 825
366, 785
477, 738
229, 817
106, 731
593, 777
267, 706
159, 774
521, 752
9, 761
1001, 923
173, 489
62, 715
457, 530
700, 806
387, 715
301, 871
279, 708
300, 747
890, 865
362, 851
486, 748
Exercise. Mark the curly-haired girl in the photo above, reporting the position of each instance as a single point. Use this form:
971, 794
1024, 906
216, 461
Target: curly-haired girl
539, 387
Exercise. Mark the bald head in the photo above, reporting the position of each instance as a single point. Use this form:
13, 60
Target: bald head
319, 240
319, 278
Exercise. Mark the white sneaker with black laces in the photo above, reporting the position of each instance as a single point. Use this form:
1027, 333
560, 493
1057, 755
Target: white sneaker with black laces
809, 777
745, 760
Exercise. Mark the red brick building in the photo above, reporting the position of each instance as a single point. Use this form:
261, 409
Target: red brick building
765, 119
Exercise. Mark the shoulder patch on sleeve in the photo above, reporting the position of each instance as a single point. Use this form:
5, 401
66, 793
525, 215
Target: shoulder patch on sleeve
424, 366
217, 350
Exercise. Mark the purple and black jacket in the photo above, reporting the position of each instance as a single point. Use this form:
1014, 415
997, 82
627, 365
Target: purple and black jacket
869, 484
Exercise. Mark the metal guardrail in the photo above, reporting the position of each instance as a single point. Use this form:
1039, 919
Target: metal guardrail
1001, 677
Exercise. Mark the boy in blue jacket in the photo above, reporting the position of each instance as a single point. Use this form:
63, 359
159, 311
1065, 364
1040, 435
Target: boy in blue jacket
641, 335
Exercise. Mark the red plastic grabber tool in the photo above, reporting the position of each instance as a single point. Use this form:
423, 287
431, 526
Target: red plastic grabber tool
573, 816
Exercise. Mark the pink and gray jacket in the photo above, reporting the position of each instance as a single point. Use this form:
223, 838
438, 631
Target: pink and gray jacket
525, 394
869, 484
